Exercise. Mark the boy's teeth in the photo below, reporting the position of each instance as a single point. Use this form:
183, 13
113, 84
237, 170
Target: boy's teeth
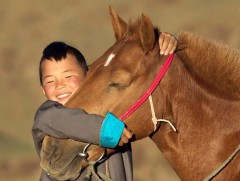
63, 95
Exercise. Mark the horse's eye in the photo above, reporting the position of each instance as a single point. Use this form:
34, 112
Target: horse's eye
120, 79
112, 84
117, 86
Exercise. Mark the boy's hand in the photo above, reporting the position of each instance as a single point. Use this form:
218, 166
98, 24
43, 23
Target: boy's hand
126, 136
167, 43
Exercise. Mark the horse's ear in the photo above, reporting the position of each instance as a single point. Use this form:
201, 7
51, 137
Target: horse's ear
147, 34
119, 26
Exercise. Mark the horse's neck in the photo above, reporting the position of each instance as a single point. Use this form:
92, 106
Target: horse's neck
192, 109
173, 84
216, 65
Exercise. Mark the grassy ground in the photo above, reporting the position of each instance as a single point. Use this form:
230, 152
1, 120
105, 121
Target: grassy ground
28, 26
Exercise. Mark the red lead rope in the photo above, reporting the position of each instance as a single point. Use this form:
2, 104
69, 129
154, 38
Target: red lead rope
150, 90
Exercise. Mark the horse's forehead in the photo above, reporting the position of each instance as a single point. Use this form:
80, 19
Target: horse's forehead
109, 59
125, 53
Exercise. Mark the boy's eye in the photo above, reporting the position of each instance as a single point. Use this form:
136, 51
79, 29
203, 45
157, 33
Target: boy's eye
50, 81
69, 76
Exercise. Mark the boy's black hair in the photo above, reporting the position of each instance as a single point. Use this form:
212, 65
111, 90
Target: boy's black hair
59, 50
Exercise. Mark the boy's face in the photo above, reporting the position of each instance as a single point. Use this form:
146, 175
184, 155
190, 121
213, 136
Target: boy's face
61, 79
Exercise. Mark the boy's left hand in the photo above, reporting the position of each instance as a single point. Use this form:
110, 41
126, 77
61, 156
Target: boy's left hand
167, 43
126, 136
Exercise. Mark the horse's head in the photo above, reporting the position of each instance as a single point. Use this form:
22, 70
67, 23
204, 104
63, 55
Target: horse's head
123, 73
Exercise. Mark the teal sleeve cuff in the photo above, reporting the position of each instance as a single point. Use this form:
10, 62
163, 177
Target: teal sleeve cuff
111, 131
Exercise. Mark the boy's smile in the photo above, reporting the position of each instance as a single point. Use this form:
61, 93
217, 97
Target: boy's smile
61, 78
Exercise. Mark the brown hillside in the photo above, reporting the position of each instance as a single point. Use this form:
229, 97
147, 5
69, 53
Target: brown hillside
28, 26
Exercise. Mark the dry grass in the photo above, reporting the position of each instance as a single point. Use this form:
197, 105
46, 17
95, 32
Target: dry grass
28, 26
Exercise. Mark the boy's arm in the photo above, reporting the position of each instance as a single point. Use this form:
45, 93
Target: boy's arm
55, 120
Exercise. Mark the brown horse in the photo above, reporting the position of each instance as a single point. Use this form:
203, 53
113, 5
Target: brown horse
199, 95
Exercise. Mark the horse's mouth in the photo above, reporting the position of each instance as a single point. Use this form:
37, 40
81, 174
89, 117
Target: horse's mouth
66, 172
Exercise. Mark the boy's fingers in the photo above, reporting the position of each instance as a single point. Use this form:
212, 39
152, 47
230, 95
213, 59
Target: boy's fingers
126, 136
163, 40
128, 133
124, 139
172, 44
174, 47
165, 46
120, 143
167, 43
160, 41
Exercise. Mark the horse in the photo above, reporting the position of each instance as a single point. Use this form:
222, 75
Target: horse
199, 96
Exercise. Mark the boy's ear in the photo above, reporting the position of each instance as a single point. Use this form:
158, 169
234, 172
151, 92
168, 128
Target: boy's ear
43, 90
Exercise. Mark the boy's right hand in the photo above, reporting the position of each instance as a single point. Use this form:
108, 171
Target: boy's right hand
126, 136
167, 43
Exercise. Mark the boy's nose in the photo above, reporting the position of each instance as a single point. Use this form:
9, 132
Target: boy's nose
60, 85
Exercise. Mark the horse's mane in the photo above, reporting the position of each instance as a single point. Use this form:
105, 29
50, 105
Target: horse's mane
215, 63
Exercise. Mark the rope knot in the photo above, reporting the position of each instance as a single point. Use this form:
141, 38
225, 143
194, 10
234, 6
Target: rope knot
155, 120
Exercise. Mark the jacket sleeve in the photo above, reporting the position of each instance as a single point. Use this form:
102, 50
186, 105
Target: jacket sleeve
55, 120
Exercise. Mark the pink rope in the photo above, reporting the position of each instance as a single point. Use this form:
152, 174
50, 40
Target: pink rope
150, 89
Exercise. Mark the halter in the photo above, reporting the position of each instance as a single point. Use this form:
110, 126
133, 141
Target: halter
147, 95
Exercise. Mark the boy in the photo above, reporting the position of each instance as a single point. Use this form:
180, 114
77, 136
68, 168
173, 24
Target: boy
62, 70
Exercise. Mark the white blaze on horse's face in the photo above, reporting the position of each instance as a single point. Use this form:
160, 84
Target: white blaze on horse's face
109, 59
